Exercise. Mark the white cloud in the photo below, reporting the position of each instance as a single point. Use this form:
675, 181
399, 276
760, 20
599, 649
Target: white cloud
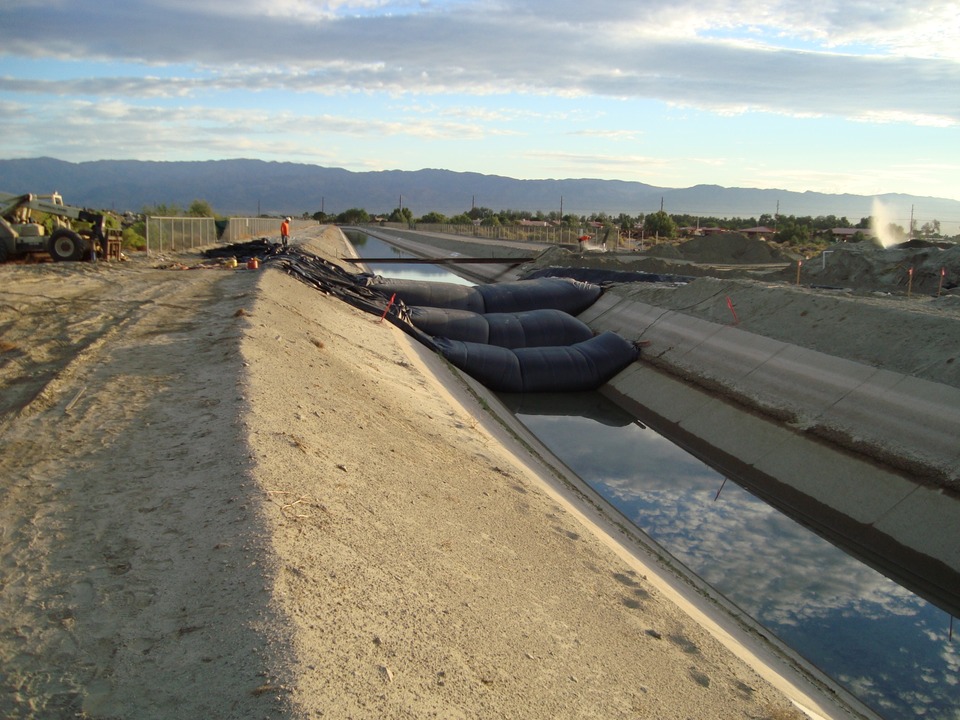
489, 66
904, 116
523, 47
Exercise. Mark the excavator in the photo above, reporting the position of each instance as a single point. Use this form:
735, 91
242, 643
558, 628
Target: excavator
21, 236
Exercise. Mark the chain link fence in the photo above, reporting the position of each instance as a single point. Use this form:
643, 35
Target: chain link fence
547, 235
177, 234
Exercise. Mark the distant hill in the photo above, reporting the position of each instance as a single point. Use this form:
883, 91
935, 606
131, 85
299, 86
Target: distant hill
246, 187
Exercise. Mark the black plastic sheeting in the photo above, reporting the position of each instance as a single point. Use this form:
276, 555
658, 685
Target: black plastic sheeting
582, 366
260, 248
591, 405
571, 296
579, 366
603, 277
533, 328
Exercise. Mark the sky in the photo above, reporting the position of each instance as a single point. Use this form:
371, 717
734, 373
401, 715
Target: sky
836, 96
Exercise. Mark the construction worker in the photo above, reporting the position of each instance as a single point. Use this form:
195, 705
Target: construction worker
285, 231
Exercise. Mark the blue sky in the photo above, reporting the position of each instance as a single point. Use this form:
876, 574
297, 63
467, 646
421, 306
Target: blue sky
835, 96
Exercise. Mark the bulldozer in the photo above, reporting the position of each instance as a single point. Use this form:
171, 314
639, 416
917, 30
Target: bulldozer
21, 236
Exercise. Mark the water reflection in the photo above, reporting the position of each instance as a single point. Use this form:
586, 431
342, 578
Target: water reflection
887, 645
367, 246
574, 404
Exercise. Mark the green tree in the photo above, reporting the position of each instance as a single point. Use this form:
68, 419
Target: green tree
353, 216
433, 218
793, 231
401, 215
163, 210
200, 208
659, 224
829, 222
133, 237
479, 213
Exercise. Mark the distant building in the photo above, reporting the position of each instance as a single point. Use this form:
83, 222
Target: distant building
845, 234
761, 231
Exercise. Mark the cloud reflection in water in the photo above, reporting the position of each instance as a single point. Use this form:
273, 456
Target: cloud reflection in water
886, 644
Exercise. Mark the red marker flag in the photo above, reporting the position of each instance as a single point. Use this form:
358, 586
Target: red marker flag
736, 320
387, 308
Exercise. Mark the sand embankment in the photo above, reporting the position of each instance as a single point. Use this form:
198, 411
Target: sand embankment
229, 496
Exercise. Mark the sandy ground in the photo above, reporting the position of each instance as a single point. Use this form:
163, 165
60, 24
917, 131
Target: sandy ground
226, 495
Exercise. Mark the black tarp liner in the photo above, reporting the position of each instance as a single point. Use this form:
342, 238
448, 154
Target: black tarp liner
582, 366
328, 278
428, 294
565, 294
260, 248
601, 277
533, 328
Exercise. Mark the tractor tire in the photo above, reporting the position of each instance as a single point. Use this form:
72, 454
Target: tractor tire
67, 245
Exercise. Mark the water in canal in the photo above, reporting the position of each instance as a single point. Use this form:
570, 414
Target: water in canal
889, 647
371, 247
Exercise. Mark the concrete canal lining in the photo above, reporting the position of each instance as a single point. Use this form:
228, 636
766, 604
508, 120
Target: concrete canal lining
857, 452
837, 444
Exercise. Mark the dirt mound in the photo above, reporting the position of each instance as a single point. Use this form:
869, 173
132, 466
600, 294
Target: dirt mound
663, 264
724, 249
864, 266
916, 337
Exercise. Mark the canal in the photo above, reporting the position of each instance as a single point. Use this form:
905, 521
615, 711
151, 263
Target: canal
889, 647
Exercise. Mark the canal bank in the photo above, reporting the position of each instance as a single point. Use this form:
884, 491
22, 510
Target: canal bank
810, 467
866, 455
808, 687
848, 449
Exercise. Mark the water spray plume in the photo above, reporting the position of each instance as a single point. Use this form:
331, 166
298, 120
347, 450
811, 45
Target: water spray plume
880, 224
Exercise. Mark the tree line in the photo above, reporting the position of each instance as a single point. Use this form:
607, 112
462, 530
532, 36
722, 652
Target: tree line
787, 229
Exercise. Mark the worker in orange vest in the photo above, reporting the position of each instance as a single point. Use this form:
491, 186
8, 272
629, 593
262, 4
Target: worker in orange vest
285, 231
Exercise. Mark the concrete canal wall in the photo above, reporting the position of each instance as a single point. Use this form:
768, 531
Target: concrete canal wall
860, 453
806, 430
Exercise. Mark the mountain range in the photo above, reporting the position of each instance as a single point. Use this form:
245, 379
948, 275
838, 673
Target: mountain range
251, 187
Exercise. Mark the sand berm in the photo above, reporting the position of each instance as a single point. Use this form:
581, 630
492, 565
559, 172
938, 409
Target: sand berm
227, 495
